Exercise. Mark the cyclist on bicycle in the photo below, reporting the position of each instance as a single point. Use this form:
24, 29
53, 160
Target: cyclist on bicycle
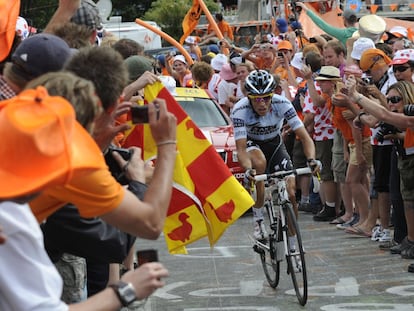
258, 120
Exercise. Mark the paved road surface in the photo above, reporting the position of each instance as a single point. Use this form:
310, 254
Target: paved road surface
344, 273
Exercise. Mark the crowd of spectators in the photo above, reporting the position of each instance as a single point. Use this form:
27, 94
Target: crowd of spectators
352, 87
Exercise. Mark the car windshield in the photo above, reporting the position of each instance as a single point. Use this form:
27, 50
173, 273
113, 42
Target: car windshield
202, 111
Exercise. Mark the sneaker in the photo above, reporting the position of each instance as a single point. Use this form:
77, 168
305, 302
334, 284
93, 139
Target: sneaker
385, 236
326, 214
296, 262
408, 253
376, 233
260, 232
385, 246
305, 207
397, 249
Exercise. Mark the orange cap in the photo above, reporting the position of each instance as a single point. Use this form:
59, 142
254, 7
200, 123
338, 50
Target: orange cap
9, 11
284, 45
42, 143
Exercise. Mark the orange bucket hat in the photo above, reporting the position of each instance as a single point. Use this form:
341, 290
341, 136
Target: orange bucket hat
9, 11
371, 57
42, 143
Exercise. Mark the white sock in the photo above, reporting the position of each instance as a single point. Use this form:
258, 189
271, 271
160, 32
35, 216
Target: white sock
292, 242
257, 213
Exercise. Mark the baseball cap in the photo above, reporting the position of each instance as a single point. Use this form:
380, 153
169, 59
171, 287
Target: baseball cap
137, 65
295, 25
42, 143
226, 73
40, 54
88, 15
348, 13
9, 11
398, 31
282, 25
214, 48
360, 45
218, 61
180, 58
403, 57
284, 45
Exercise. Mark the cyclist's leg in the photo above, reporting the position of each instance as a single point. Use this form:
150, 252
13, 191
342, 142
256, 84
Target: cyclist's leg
259, 164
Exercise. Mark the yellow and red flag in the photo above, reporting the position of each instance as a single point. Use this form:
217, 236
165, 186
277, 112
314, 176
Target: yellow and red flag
206, 197
190, 20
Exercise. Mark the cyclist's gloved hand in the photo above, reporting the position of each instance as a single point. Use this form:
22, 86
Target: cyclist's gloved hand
248, 180
315, 166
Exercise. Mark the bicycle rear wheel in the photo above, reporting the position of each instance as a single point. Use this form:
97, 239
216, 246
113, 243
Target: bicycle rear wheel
296, 258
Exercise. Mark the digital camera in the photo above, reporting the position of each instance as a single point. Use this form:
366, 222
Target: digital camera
113, 165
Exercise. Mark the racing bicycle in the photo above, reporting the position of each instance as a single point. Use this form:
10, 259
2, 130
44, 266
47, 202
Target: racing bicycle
284, 240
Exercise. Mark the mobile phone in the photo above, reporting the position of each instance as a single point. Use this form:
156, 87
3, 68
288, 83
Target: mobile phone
280, 54
146, 255
173, 53
139, 114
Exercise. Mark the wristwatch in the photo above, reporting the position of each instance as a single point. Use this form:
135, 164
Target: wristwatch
125, 292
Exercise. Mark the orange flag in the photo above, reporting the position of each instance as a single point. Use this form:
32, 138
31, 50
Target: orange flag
190, 20
374, 8
202, 204
393, 6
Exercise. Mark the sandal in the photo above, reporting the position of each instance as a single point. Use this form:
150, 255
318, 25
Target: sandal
358, 232
338, 221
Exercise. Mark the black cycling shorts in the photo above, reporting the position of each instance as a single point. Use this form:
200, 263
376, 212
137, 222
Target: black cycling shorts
275, 152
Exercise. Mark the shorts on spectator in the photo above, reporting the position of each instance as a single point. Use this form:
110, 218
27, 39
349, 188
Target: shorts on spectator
406, 168
366, 150
324, 154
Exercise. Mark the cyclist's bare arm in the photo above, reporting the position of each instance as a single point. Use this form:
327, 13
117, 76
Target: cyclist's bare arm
242, 154
307, 142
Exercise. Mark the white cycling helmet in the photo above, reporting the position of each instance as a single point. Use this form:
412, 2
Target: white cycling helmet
259, 82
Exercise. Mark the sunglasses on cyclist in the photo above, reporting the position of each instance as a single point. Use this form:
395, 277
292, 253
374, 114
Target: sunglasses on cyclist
400, 68
259, 98
394, 99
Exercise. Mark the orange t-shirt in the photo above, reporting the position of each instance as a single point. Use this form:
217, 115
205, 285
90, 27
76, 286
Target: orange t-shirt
342, 124
94, 192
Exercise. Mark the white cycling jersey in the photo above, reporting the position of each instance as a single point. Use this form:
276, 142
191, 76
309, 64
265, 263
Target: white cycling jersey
249, 125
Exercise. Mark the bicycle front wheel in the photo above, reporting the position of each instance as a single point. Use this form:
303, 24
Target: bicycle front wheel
296, 257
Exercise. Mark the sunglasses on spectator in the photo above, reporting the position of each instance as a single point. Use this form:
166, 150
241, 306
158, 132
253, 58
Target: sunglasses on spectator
400, 68
259, 98
376, 59
394, 99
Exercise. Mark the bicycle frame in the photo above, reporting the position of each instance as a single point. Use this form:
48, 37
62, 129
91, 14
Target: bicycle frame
282, 221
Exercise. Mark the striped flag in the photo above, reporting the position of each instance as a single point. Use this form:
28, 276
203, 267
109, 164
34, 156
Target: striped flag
190, 20
206, 197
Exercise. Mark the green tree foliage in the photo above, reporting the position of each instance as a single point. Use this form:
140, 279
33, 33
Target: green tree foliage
170, 14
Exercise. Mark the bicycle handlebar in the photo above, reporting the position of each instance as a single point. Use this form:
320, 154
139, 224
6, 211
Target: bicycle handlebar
280, 174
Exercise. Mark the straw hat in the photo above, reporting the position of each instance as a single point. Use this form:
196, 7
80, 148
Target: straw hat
329, 73
42, 144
